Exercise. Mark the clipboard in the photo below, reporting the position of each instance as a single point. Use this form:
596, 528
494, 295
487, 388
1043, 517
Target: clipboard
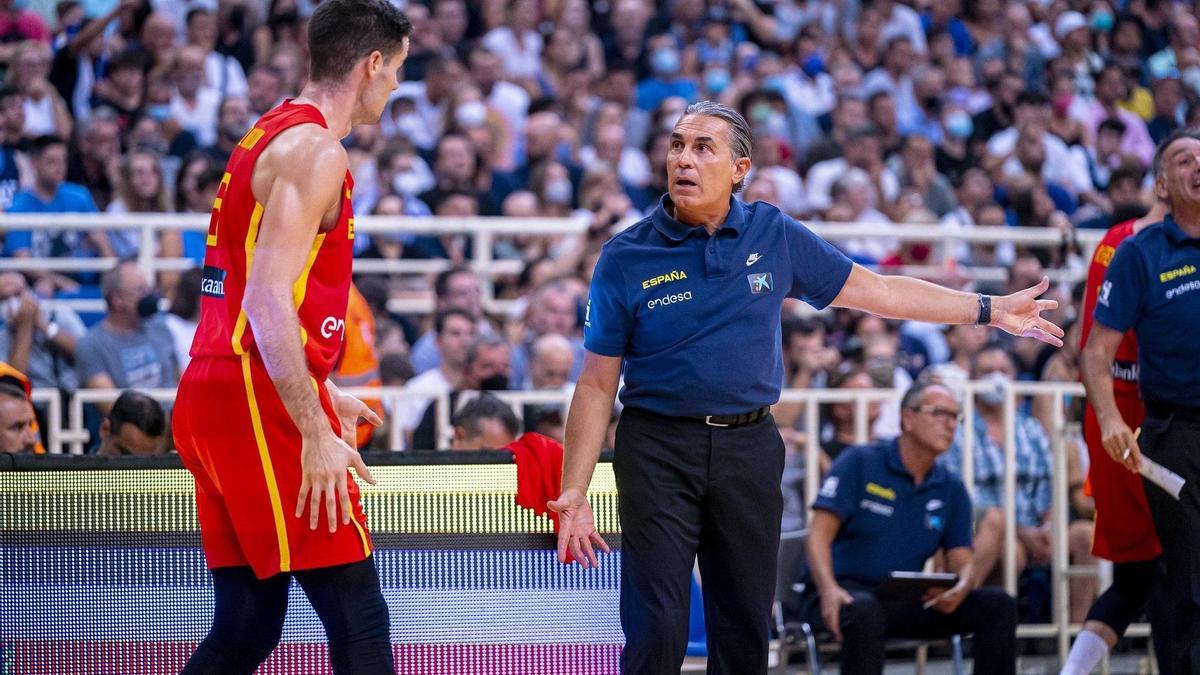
913, 585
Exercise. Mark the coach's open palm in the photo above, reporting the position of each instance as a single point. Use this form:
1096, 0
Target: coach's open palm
324, 461
577, 529
1021, 314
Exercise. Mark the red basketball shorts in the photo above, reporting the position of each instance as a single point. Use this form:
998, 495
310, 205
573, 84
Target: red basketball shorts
243, 449
1124, 530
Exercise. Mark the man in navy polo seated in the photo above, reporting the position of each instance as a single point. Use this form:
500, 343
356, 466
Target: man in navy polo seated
888, 507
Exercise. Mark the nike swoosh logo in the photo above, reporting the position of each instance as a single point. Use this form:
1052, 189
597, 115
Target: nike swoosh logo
754, 257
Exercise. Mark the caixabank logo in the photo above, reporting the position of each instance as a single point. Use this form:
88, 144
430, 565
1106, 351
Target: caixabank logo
760, 283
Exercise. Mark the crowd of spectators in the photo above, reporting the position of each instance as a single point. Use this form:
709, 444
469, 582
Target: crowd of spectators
957, 113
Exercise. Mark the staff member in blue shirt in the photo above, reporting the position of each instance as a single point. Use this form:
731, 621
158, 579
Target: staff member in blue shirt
688, 301
889, 507
1153, 287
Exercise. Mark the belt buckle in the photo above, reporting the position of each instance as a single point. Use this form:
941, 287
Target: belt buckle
709, 422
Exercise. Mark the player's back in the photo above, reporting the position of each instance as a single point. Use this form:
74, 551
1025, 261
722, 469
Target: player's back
320, 294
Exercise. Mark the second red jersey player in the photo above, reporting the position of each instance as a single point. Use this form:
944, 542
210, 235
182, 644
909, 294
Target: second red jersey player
1124, 531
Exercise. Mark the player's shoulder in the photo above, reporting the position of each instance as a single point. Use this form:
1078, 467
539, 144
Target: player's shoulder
307, 148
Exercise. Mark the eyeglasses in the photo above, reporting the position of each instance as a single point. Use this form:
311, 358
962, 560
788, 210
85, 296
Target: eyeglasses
944, 414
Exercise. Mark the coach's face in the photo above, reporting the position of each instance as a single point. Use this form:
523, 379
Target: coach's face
1180, 182
701, 169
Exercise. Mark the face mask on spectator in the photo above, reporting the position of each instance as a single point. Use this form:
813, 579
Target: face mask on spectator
471, 114
669, 121
716, 81
1102, 20
236, 129
409, 183
1191, 77
813, 65
494, 383
993, 394
774, 83
147, 306
158, 111
1060, 103
665, 61
882, 371
959, 124
412, 127
558, 192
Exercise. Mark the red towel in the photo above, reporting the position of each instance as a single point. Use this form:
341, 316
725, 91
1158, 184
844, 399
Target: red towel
539, 472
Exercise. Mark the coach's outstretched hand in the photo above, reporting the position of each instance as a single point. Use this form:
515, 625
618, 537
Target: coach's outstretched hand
577, 529
324, 462
1021, 314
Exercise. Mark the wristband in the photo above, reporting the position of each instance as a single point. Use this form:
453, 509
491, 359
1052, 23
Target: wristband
51, 330
985, 310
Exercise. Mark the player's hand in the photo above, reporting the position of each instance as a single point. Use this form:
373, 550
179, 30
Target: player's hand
577, 529
324, 462
1121, 443
947, 601
831, 609
349, 411
1021, 314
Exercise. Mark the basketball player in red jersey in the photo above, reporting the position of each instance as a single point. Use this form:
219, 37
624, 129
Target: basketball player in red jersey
1124, 531
257, 422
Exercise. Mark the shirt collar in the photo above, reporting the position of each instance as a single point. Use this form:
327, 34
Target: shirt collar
1175, 234
676, 231
896, 465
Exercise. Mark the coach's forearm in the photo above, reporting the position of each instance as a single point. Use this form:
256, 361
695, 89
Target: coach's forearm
1098, 381
919, 300
587, 425
896, 297
272, 316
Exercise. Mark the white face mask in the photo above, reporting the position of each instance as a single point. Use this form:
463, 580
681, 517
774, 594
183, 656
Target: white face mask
410, 183
994, 393
559, 192
471, 114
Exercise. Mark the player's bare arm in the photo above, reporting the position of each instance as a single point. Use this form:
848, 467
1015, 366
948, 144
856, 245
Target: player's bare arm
298, 179
897, 297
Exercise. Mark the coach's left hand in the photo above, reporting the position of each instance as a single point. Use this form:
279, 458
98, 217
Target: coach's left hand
1021, 314
349, 411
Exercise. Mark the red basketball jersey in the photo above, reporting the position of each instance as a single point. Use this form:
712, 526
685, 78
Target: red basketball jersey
320, 294
1125, 362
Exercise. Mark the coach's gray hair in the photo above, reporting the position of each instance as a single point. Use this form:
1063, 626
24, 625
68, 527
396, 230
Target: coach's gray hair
741, 140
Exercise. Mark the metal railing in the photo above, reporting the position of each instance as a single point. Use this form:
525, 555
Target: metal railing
483, 232
74, 437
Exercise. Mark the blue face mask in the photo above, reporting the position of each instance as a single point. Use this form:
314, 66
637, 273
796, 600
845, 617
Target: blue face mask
716, 81
158, 111
813, 65
959, 124
774, 83
1102, 21
665, 61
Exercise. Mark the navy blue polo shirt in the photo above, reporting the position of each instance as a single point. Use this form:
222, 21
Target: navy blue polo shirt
1153, 287
888, 522
695, 316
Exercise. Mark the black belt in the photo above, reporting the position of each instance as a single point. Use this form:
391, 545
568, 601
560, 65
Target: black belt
1162, 409
739, 420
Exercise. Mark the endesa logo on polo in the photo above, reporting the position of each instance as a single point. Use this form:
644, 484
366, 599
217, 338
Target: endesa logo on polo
670, 299
673, 275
